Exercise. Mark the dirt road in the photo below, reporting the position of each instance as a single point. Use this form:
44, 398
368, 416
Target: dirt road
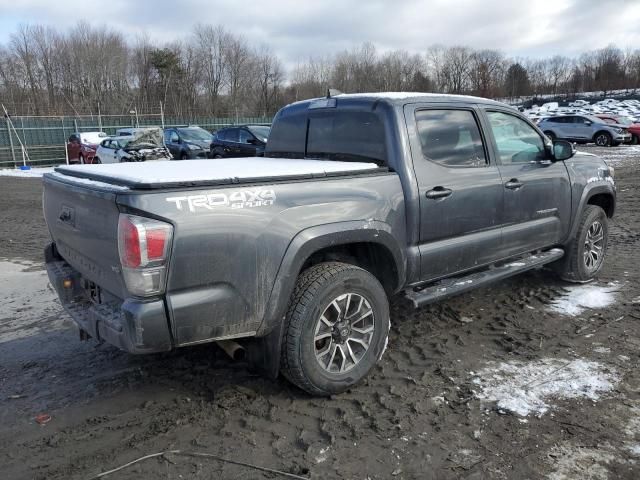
531, 378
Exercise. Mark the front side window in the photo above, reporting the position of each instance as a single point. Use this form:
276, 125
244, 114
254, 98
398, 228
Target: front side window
245, 136
174, 137
517, 141
451, 138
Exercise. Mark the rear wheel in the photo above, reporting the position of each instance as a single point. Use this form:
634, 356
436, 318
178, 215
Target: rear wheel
81, 159
635, 139
336, 328
183, 156
585, 254
96, 160
602, 139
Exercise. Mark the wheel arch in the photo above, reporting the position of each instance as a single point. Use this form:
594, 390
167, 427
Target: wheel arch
368, 244
606, 132
603, 195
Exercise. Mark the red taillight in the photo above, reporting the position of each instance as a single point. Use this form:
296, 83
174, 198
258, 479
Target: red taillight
142, 242
129, 243
156, 242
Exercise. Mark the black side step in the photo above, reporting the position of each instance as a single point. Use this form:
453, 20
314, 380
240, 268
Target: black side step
453, 286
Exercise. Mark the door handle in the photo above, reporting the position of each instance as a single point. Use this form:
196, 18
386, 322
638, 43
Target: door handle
439, 192
513, 184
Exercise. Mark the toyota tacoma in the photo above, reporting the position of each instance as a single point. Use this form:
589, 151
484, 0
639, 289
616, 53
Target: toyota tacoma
293, 257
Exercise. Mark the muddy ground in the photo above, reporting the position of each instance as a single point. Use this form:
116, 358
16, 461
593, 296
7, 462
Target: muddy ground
513, 381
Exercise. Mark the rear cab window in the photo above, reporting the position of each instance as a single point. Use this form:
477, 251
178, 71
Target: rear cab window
342, 134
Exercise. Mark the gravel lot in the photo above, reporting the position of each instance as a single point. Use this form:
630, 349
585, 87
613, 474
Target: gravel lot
531, 378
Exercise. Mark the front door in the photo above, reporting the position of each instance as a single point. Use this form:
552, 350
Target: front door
461, 192
537, 192
247, 143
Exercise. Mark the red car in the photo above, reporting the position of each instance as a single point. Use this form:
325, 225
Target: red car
81, 147
633, 128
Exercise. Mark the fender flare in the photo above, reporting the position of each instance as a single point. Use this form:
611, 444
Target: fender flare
313, 239
589, 191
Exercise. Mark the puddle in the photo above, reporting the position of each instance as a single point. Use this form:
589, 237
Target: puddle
582, 297
28, 304
530, 388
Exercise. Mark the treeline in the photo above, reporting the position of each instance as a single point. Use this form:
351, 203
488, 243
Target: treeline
213, 71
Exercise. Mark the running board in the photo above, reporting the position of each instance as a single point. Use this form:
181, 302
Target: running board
453, 286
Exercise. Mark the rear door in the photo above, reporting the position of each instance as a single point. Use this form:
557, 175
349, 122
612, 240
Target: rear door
232, 147
537, 192
460, 187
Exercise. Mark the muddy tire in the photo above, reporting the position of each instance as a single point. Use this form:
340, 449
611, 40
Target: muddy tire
584, 255
336, 328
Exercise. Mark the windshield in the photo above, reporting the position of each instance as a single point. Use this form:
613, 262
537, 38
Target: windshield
626, 121
195, 134
261, 132
92, 138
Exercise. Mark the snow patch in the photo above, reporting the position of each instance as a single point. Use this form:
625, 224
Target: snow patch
572, 462
31, 173
526, 388
214, 169
581, 297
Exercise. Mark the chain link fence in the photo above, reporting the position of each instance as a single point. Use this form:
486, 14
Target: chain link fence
41, 141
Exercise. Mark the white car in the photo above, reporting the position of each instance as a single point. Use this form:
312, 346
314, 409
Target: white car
143, 145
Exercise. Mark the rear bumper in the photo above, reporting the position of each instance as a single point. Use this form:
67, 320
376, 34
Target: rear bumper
132, 325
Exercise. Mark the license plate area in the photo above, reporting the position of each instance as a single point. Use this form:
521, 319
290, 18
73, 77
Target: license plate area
94, 292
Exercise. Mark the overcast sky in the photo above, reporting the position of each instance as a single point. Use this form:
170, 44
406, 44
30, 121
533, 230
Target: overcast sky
297, 29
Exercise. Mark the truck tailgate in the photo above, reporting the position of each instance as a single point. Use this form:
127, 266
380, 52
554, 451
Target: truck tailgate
83, 222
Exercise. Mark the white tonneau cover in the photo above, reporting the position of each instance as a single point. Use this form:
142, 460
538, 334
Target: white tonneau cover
233, 170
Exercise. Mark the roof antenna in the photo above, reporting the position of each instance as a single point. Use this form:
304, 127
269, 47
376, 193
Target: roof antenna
332, 92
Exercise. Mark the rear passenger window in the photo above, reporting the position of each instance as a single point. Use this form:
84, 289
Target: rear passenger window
231, 135
451, 138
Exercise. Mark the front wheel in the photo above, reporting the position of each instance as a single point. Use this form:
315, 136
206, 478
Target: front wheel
585, 254
602, 139
96, 160
635, 139
550, 135
336, 328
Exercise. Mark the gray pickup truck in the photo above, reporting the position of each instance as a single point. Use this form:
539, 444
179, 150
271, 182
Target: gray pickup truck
293, 257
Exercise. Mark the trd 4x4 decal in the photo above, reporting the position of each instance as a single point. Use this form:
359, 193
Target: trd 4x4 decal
237, 199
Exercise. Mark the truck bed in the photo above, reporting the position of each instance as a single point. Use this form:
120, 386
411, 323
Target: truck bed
187, 173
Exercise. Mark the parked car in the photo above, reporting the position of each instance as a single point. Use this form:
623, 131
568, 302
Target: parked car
624, 122
240, 141
144, 144
128, 131
583, 129
188, 142
295, 255
81, 147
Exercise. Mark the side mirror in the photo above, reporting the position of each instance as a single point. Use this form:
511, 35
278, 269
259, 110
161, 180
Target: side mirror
588, 124
562, 150
252, 141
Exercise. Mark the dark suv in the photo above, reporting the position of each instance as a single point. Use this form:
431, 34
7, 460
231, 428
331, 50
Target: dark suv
241, 141
187, 142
